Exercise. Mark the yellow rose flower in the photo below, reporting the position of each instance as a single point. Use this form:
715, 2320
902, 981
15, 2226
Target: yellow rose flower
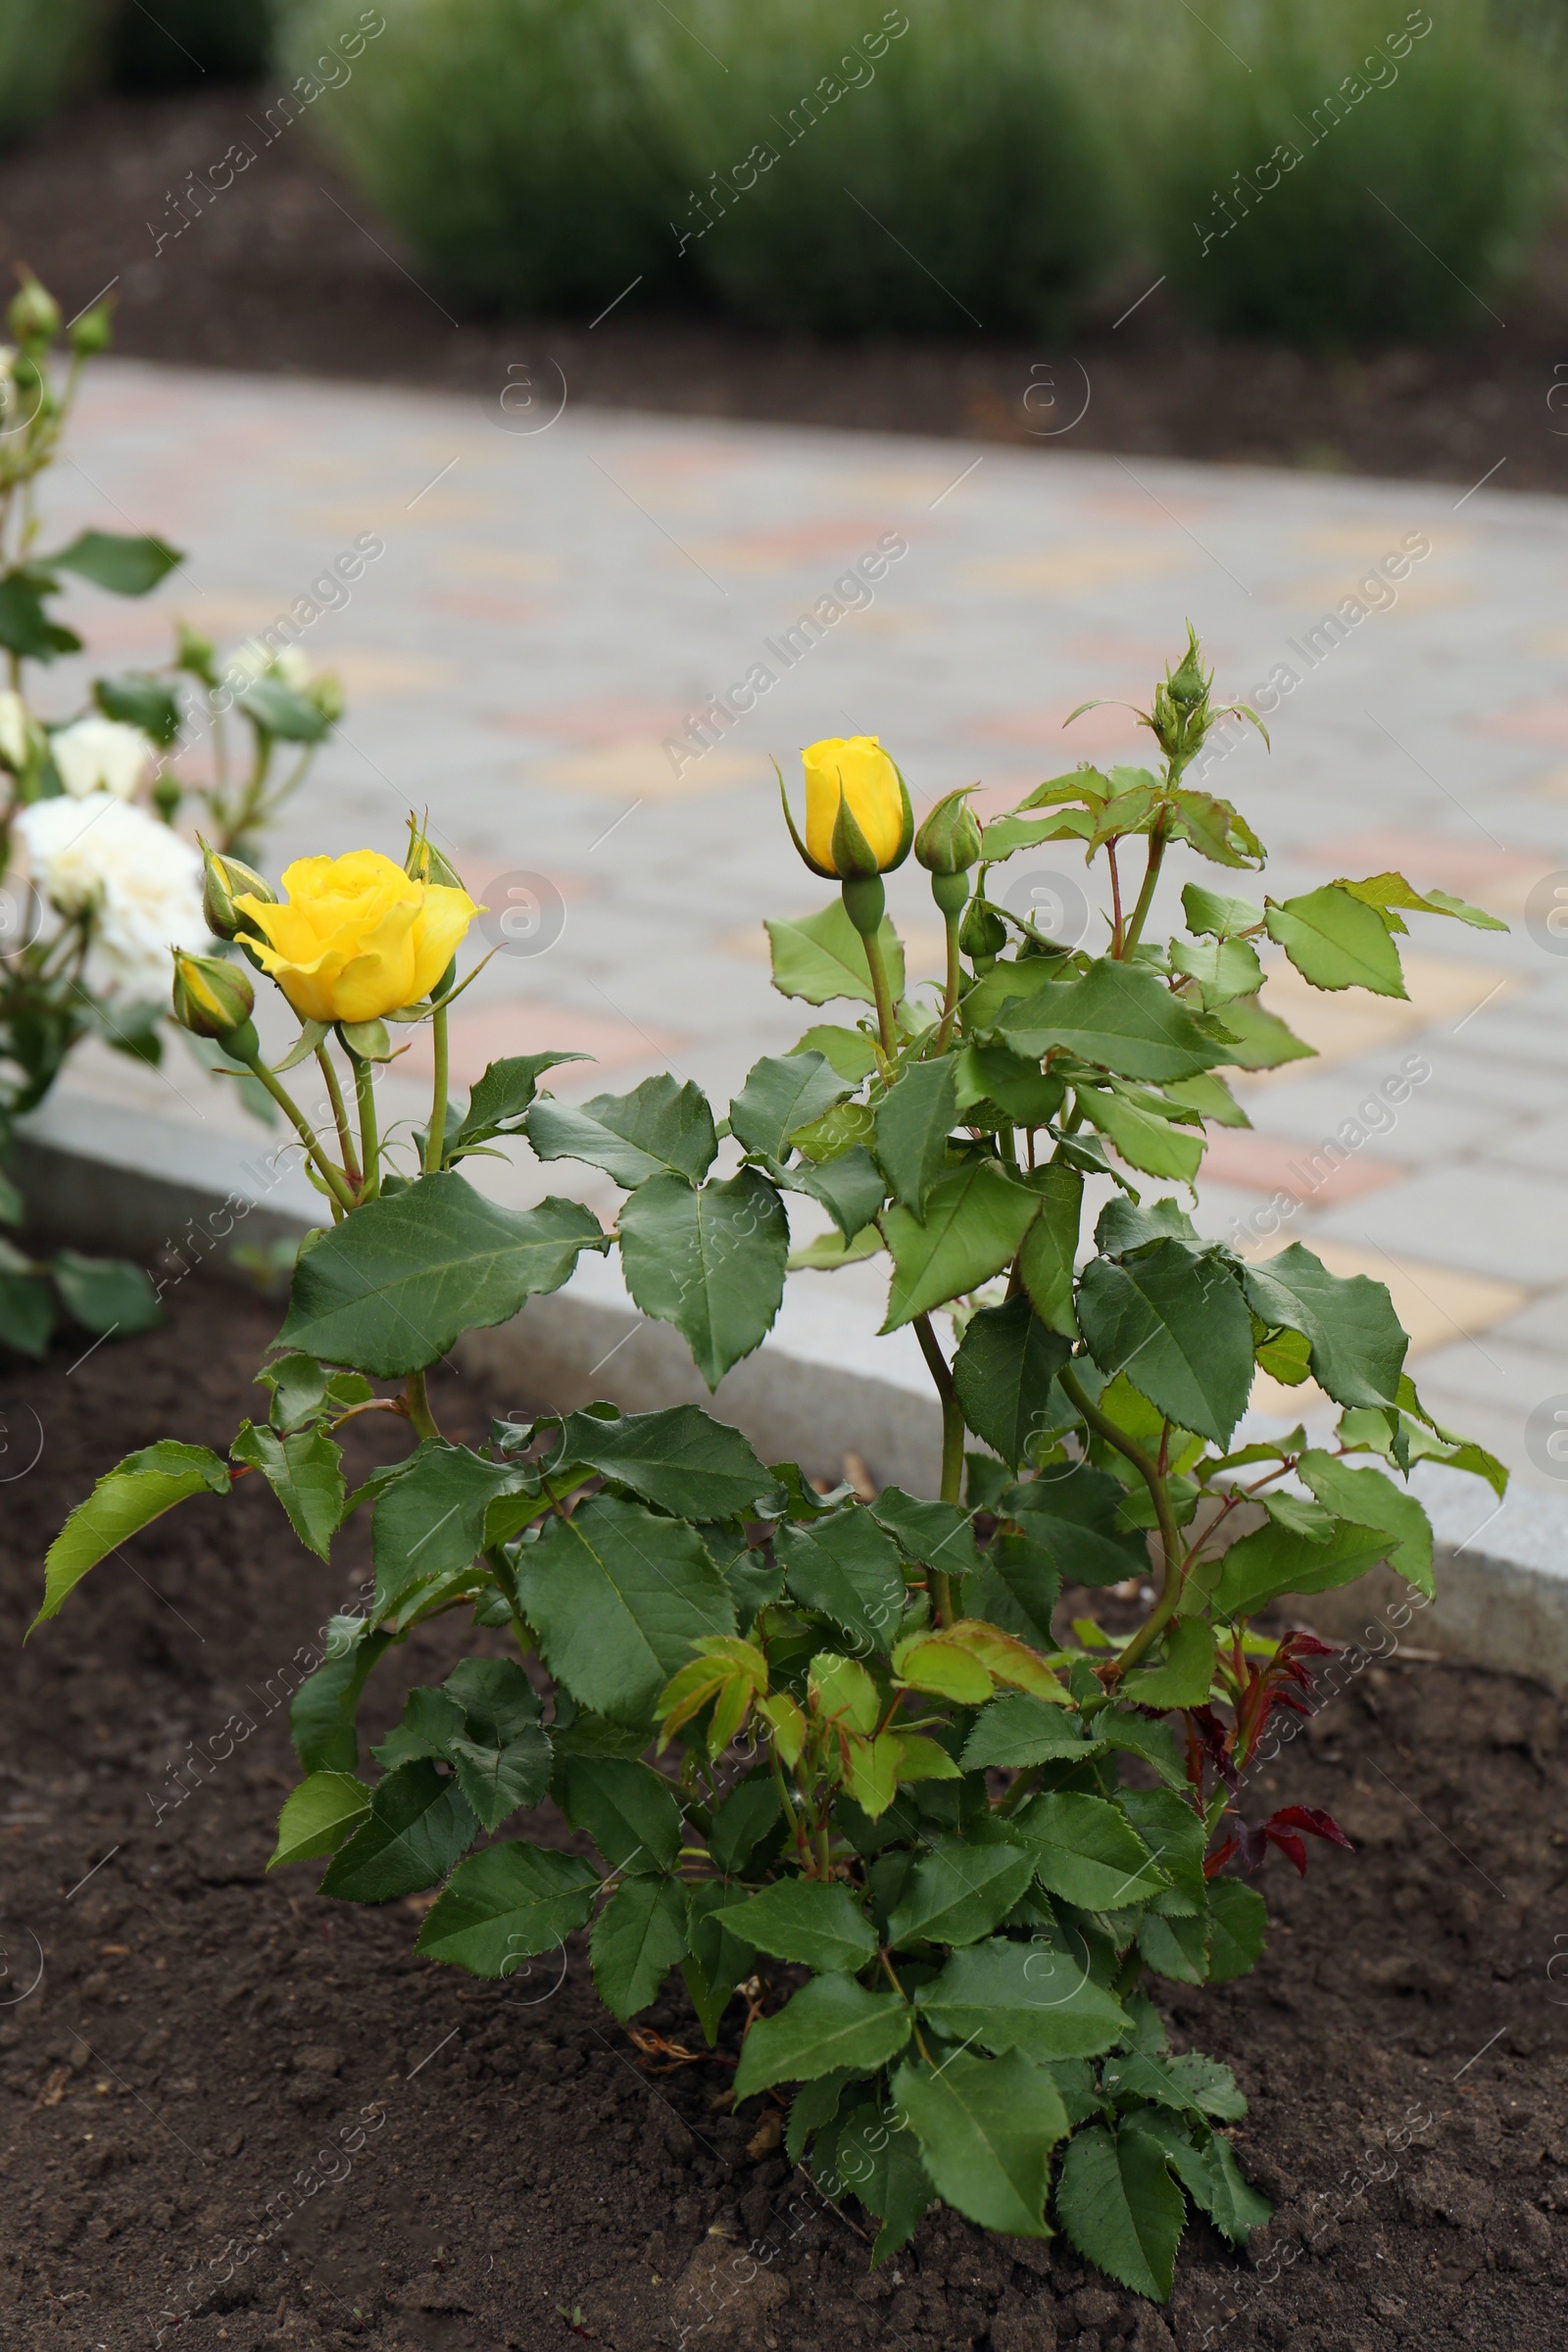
858, 768
353, 938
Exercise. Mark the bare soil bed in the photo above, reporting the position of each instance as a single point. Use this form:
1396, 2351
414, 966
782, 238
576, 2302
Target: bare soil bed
288, 268
233, 2113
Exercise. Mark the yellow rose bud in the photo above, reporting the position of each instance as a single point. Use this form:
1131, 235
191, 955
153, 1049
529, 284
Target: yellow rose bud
211, 998
853, 774
356, 938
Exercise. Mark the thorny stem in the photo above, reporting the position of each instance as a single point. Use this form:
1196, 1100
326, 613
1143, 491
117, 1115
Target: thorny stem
952, 1432
435, 1141
419, 1405
1170, 1541
345, 1137
330, 1175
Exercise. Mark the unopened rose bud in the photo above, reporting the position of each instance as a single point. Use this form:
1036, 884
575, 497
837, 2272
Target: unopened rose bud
92, 332
425, 861
982, 935
949, 842
33, 314
859, 822
227, 879
1187, 685
214, 999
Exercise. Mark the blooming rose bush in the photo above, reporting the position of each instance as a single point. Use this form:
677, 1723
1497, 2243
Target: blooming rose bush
97, 887
806, 1731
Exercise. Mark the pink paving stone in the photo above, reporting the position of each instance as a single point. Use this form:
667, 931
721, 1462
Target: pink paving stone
533, 1025
1436, 858
1303, 1170
1528, 722
832, 536
475, 603
1104, 729
605, 719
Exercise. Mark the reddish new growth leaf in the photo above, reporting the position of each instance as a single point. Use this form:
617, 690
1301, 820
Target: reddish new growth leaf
1252, 1840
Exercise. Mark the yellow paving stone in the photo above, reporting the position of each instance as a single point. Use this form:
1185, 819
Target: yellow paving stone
1342, 1023
368, 675
1066, 570
1323, 592
640, 766
465, 557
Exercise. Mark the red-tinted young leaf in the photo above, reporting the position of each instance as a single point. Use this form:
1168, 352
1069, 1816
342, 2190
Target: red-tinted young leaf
1312, 1819
1290, 1846
1215, 1739
1217, 1860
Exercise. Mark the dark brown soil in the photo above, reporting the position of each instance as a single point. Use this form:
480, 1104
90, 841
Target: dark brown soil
290, 269
228, 2098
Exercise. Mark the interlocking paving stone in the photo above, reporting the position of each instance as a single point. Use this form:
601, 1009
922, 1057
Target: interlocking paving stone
551, 612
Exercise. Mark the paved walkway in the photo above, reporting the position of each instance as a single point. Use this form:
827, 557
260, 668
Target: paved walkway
553, 606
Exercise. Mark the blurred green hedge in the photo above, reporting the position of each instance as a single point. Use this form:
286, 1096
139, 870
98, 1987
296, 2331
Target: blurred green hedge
49, 49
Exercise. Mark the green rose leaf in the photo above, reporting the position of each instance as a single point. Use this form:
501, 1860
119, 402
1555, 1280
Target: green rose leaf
1356, 1343
851, 1187
631, 1812
1048, 1263
323, 1717
638, 1937
845, 1566
709, 1262
913, 1120
974, 1222
1371, 1498
782, 1093
504, 1905
273, 708
831, 2022
1177, 1324
139, 701
1120, 1016
1275, 1560
1142, 1138
318, 1816
305, 1472
1016, 1731
1087, 1851
127, 566
1003, 1372
1336, 941
391, 1289
821, 1927
1238, 1928
1121, 2209
105, 1294
617, 1595
420, 1824
934, 1535
124, 1500
502, 1097
429, 1518
661, 1127
959, 1892
823, 955
1183, 1675
986, 2129
1023, 1996
679, 1458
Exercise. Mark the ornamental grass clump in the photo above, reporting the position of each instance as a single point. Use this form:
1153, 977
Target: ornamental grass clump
836, 1754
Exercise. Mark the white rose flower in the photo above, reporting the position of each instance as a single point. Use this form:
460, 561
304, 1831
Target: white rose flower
254, 659
144, 883
101, 754
12, 731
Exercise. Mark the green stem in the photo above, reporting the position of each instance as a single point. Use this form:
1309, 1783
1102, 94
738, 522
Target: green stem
369, 1139
949, 1001
797, 1829
883, 993
952, 1435
1170, 1541
435, 1141
334, 1095
330, 1175
418, 1402
1146, 895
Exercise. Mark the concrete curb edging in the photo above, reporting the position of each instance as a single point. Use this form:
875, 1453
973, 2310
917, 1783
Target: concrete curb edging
121, 1182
